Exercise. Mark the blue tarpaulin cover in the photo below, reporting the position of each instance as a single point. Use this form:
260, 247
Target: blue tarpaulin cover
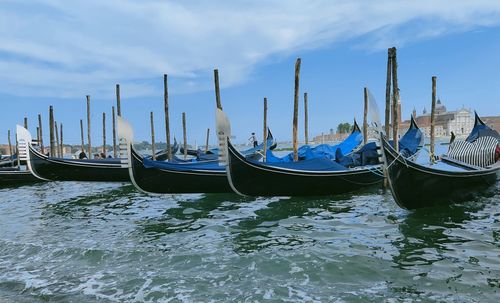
209, 165
307, 152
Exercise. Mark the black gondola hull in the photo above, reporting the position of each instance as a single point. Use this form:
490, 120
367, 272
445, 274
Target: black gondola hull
415, 186
163, 181
57, 169
257, 179
16, 177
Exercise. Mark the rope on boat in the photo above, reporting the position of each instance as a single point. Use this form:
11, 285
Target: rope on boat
399, 155
376, 171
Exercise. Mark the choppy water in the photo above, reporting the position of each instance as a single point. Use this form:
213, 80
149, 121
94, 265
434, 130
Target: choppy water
90, 242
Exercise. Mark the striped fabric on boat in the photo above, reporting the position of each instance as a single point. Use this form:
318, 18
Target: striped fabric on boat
479, 153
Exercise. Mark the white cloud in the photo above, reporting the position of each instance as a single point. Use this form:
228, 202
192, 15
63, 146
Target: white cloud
70, 48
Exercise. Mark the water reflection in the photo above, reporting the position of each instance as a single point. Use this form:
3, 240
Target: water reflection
267, 228
82, 206
425, 233
186, 214
428, 233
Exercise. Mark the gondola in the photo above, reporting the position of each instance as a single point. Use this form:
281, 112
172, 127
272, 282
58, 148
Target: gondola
60, 169
162, 155
447, 180
11, 176
314, 177
251, 153
152, 176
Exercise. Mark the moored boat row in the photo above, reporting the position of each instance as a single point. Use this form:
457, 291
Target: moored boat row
311, 170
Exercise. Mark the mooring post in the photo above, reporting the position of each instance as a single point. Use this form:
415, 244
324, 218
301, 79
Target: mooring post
433, 116
41, 134
114, 130
306, 124
118, 101
81, 135
217, 89
153, 148
296, 111
17, 151
365, 117
38, 135
104, 134
62, 144
89, 147
51, 132
388, 94
184, 134
167, 120
11, 152
206, 143
395, 101
57, 139
26, 122
264, 136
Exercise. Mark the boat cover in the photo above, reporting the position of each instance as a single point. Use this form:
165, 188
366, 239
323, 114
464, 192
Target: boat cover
479, 153
409, 144
209, 165
307, 152
315, 164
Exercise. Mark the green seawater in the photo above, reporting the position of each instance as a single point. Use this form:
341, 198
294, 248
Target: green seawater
103, 242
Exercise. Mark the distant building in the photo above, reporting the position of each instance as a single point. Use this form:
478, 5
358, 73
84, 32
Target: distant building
492, 121
4, 149
459, 122
330, 137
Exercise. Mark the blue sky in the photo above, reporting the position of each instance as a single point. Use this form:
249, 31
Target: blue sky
55, 52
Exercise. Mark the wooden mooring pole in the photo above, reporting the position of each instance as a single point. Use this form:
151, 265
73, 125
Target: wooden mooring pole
167, 119
395, 100
264, 136
365, 117
11, 152
118, 101
81, 135
296, 111
388, 94
89, 147
17, 151
57, 139
206, 142
306, 123
184, 134
26, 122
104, 134
61, 146
217, 89
41, 134
153, 148
51, 132
433, 116
114, 130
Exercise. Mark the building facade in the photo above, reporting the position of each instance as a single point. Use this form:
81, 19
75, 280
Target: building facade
460, 122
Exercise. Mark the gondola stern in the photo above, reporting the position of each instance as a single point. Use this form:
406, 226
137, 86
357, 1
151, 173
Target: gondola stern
223, 134
135, 160
390, 156
413, 123
23, 139
477, 120
355, 127
125, 138
232, 156
24, 142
